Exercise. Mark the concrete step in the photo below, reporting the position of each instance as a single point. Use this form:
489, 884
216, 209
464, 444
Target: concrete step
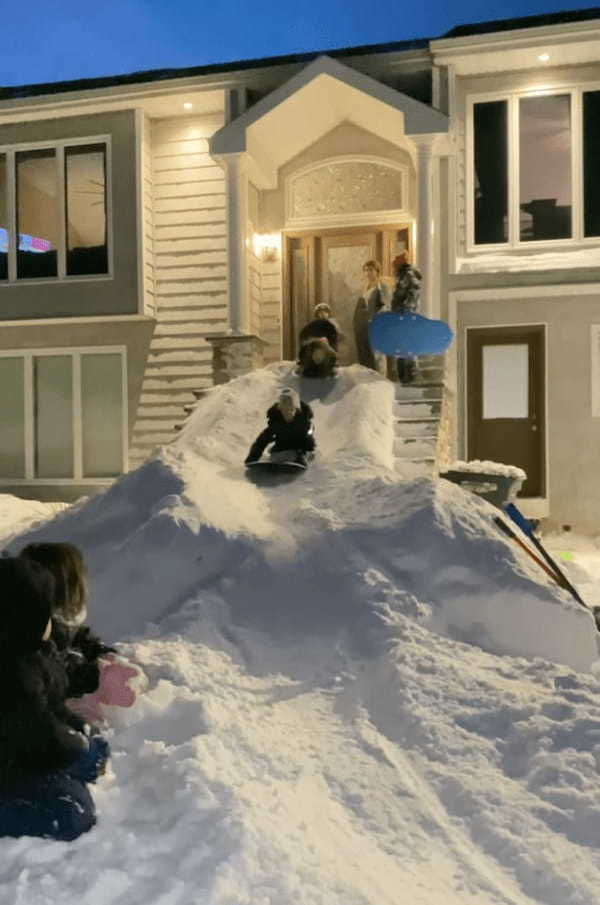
162, 425
421, 390
417, 408
408, 430
415, 447
146, 438
160, 410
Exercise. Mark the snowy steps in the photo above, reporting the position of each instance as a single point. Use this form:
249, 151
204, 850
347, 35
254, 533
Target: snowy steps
417, 410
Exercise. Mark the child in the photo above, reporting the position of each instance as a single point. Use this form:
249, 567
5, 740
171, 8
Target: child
97, 676
289, 429
318, 344
405, 300
322, 326
46, 760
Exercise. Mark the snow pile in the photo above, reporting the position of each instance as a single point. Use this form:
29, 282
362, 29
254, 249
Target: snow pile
487, 467
316, 729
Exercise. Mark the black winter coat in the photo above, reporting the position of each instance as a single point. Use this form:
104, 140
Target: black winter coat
38, 733
320, 328
295, 434
79, 650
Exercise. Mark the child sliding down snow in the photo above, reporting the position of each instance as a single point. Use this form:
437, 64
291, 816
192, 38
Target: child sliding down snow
318, 344
289, 428
97, 676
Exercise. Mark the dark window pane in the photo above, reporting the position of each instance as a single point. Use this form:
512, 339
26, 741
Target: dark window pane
37, 214
3, 221
85, 191
53, 412
491, 172
545, 167
591, 162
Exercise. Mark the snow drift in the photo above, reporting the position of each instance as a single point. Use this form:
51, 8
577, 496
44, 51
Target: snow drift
351, 700
328, 547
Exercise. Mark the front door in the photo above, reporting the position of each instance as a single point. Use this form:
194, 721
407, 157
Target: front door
505, 400
327, 267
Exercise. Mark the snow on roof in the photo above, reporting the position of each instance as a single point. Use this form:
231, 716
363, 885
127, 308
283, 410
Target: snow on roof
350, 691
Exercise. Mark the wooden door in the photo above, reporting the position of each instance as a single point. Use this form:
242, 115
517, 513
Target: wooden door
327, 266
505, 400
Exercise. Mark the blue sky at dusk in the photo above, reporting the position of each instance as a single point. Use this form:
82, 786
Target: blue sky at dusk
68, 39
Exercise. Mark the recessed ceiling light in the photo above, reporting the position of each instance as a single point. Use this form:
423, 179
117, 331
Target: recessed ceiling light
187, 106
544, 57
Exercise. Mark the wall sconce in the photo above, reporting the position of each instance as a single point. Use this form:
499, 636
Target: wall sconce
267, 246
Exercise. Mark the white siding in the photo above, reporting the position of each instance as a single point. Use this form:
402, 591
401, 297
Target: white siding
186, 272
270, 311
148, 221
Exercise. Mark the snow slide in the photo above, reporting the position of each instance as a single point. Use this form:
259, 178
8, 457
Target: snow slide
360, 693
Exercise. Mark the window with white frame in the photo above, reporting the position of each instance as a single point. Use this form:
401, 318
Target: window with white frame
54, 210
533, 168
63, 414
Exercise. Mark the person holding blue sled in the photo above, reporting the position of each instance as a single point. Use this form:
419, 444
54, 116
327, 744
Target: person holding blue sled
405, 300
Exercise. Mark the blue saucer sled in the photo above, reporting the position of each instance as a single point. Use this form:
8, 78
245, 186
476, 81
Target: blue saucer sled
408, 335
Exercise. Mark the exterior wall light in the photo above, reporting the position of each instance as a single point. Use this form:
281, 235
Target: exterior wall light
187, 105
266, 246
544, 57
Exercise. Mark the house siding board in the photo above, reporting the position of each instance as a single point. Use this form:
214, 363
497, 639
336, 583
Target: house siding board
270, 310
85, 297
148, 219
189, 274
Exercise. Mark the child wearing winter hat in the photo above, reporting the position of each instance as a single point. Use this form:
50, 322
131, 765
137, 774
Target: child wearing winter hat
46, 760
289, 428
98, 677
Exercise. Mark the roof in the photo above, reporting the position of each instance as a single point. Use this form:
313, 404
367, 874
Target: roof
494, 25
161, 75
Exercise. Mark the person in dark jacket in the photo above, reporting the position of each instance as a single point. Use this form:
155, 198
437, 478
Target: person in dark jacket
46, 756
79, 648
322, 326
289, 428
318, 341
405, 300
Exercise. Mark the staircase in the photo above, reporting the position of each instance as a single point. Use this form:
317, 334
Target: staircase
177, 371
418, 411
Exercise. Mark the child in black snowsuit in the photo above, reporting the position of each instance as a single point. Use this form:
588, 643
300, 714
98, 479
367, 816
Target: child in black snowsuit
46, 755
289, 429
318, 344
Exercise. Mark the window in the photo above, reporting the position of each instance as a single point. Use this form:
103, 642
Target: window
59, 196
63, 415
545, 167
529, 153
491, 172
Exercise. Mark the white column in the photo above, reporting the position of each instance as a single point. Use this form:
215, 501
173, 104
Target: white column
236, 220
425, 244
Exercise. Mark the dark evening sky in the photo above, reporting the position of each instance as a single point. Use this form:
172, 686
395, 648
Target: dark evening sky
55, 40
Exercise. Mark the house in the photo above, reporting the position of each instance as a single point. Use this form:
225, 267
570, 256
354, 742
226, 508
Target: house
166, 230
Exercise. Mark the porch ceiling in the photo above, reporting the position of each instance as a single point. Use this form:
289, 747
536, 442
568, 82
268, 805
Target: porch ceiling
323, 95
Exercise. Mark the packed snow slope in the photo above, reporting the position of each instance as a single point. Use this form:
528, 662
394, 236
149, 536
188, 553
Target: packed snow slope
360, 693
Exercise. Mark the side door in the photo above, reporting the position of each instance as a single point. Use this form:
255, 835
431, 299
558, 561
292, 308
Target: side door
506, 400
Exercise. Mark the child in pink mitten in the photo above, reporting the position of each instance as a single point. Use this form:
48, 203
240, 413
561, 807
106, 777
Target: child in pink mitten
98, 677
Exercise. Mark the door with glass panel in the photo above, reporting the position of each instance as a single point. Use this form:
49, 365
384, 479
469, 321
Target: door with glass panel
505, 400
327, 267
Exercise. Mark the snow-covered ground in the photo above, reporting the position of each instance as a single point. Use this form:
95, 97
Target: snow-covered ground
360, 693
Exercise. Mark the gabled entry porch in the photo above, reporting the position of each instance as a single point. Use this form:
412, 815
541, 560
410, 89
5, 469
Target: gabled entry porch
328, 170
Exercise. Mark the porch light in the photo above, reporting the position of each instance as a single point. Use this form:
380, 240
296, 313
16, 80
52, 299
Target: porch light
188, 105
266, 246
544, 57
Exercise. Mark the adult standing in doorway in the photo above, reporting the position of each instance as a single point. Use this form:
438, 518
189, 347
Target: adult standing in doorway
405, 300
375, 298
